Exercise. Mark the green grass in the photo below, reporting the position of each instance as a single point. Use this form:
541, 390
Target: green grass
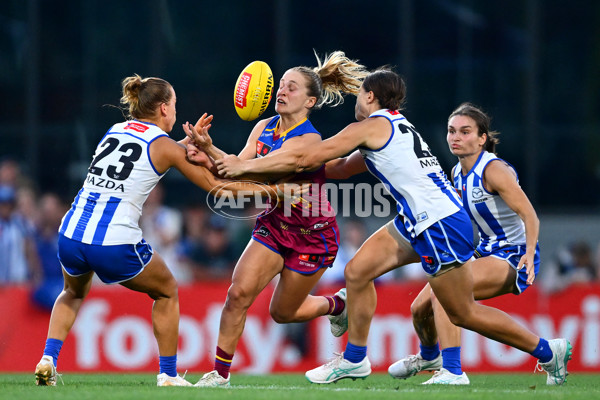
284, 387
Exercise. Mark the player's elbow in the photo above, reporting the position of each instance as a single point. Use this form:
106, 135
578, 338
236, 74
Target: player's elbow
307, 162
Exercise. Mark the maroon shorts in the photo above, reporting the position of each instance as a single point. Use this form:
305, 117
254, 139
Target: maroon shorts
303, 250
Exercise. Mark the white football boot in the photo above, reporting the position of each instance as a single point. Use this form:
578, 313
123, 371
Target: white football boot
557, 367
339, 368
445, 377
213, 379
166, 380
412, 365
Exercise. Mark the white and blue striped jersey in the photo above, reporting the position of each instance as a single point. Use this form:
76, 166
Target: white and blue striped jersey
412, 175
497, 223
107, 209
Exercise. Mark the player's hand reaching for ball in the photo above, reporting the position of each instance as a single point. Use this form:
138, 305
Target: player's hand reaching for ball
197, 156
199, 133
230, 166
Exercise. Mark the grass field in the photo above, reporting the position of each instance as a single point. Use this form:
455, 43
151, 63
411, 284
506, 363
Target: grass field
283, 387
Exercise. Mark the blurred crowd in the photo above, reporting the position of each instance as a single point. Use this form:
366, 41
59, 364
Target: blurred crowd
196, 244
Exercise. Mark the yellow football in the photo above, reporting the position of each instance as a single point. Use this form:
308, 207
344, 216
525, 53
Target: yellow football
253, 90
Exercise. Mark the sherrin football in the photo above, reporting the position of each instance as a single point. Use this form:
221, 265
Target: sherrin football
253, 90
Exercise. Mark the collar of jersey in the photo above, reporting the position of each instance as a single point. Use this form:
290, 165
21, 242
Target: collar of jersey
474, 165
144, 122
284, 134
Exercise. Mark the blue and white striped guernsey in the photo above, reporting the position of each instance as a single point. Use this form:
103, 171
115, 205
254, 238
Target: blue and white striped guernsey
497, 223
412, 175
107, 209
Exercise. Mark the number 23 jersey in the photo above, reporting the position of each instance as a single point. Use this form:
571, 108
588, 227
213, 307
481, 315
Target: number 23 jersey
107, 209
412, 175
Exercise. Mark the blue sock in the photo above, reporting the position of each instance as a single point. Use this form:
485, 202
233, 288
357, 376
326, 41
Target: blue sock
52, 348
451, 360
355, 354
430, 352
542, 352
168, 365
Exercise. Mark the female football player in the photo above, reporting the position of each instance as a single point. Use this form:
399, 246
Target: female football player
100, 233
431, 227
296, 242
507, 258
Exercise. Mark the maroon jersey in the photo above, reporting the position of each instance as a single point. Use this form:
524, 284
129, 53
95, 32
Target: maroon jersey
304, 233
313, 211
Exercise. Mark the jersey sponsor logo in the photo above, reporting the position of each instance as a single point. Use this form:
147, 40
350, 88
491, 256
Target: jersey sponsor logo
262, 149
476, 192
262, 231
429, 162
104, 183
134, 126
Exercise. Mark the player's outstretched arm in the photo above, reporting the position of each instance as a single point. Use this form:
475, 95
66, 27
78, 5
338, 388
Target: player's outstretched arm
298, 159
344, 168
166, 153
198, 135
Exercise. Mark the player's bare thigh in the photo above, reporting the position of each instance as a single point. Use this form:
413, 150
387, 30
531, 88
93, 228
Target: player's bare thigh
454, 289
382, 252
78, 286
257, 266
492, 277
292, 291
155, 279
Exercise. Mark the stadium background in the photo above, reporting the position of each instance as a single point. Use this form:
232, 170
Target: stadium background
532, 64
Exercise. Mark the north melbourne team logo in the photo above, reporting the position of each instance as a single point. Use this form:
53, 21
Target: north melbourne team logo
428, 260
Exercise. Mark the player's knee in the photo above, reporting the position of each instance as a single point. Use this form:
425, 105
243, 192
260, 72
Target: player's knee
461, 319
237, 297
456, 319
354, 275
420, 310
281, 316
172, 288
168, 289
74, 293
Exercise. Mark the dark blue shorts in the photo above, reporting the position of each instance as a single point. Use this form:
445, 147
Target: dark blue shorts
112, 264
448, 241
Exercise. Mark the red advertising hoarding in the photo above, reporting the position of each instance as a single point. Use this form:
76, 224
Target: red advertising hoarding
113, 332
